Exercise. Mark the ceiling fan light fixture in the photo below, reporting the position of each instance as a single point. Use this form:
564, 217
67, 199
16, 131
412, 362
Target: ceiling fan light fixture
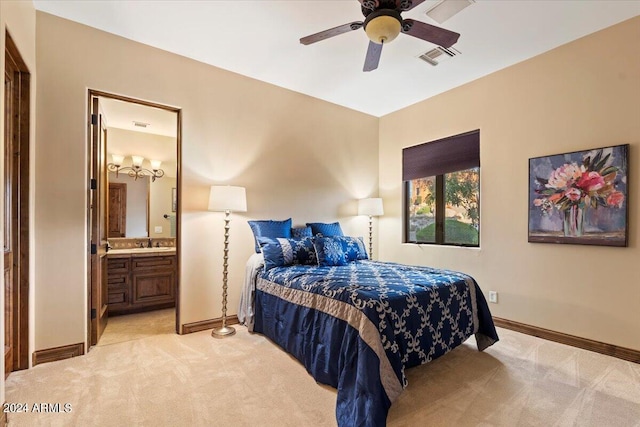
383, 25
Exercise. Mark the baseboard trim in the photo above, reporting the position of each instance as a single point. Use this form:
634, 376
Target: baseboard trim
572, 340
188, 328
57, 353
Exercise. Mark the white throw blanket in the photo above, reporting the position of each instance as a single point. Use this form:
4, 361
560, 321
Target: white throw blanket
245, 312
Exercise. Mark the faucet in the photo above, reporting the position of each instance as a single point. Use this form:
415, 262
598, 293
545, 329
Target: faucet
149, 244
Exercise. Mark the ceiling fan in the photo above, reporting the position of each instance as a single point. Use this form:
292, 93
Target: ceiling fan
382, 24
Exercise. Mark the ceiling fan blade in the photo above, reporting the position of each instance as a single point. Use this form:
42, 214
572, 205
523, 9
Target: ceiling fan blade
373, 56
331, 32
407, 4
430, 33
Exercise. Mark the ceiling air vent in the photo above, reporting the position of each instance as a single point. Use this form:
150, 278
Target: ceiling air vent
140, 124
445, 9
439, 54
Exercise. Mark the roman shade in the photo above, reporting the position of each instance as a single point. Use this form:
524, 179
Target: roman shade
442, 156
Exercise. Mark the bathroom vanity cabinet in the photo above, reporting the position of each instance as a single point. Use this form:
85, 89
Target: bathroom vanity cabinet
140, 281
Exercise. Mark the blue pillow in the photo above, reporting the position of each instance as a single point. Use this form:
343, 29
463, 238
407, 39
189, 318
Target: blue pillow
300, 232
270, 228
332, 229
281, 252
353, 247
329, 251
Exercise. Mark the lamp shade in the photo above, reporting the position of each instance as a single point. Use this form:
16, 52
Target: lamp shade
227, 198
383, 29
372, 207
117, 159
137, 160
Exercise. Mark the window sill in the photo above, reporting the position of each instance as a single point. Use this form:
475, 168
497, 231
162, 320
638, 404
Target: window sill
433, 245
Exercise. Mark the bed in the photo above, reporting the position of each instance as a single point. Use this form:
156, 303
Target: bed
358, 327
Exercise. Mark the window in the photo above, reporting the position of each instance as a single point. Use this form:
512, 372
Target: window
442, 191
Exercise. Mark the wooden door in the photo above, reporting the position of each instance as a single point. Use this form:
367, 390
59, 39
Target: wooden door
10, 207
16, 215
117, 209
98, 223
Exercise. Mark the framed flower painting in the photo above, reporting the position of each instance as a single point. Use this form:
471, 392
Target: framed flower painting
580, 197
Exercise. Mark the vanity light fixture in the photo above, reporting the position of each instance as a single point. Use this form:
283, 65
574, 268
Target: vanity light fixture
135, 170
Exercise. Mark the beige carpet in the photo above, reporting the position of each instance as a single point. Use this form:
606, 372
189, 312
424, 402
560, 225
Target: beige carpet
245, 380
139, 325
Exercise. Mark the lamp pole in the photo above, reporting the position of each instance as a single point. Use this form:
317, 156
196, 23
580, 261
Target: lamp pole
224, 330
227, 199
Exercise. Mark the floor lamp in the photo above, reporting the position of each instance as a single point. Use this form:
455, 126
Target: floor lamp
370, 207
227, 199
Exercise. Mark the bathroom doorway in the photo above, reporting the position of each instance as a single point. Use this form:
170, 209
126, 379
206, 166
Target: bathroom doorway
133, 215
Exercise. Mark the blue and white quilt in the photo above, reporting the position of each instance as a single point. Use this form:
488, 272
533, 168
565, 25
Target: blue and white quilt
358, 327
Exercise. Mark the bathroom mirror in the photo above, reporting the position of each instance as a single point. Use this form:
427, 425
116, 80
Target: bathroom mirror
141, 207
136, 141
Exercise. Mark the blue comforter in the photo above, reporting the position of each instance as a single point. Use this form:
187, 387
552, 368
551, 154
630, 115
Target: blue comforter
358, 327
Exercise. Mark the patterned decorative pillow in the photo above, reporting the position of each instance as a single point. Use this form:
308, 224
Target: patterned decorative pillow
329, 251
325, 229
281, 252
300, 232
353, 247
270, 228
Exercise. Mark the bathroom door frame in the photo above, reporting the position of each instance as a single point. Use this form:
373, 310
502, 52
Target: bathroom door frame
92, 93
16, 310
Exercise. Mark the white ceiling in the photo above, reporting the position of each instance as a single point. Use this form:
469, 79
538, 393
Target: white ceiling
122, 115
259, 39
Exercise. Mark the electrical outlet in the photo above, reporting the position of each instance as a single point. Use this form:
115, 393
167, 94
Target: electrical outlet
158, 229
493, 297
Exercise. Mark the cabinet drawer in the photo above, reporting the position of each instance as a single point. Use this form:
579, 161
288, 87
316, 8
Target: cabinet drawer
118, 297
116, 281
154, 263
118, 265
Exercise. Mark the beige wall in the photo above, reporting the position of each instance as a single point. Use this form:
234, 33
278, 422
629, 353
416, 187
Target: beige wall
297, 156
582, 95
19, 19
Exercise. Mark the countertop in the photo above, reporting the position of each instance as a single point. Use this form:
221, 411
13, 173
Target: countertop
141, 252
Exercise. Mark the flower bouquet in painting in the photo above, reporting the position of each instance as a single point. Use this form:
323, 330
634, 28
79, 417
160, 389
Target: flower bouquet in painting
579, 197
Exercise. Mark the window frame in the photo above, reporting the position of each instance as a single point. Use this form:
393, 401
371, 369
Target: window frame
439, 203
